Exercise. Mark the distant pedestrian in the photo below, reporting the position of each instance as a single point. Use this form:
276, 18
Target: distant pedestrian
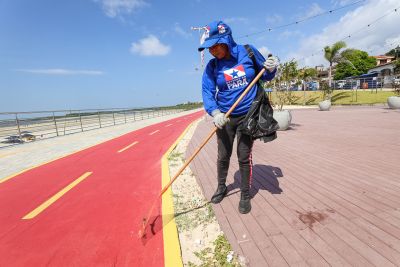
225, 78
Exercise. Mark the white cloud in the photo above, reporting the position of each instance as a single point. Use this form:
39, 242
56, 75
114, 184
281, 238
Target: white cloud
150, 46
61, 71
235, 19
372, 39
315, 9
342, 2
114, 8
264, 51
178, 29
273, 19
290, 34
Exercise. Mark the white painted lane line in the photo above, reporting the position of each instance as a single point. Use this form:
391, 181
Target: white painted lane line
168, 125
125, 148
154, 132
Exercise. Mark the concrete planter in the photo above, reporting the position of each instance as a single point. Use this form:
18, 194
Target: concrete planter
284, 118
394, 102
324, 105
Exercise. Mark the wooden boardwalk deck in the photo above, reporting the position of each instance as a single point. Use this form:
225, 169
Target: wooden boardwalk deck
326, 192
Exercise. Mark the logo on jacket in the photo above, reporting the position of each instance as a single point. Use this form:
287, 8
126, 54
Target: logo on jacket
235, 77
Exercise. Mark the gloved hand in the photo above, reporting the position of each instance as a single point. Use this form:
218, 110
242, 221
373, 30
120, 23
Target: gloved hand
271, 63
219, 118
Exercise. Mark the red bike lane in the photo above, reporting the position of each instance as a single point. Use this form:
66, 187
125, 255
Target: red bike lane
86, 209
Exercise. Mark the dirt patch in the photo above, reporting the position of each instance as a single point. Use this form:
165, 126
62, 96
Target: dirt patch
201, 239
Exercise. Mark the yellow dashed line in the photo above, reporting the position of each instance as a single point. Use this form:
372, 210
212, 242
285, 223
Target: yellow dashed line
54, 198
125, 148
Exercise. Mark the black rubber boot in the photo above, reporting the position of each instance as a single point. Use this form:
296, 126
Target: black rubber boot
244, 204
219, 194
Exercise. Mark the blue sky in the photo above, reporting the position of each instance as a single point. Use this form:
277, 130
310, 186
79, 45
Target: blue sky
81, 54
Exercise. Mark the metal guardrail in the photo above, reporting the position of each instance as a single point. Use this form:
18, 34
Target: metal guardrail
21, 127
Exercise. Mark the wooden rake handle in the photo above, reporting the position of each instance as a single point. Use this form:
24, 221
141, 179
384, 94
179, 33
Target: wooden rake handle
213, 131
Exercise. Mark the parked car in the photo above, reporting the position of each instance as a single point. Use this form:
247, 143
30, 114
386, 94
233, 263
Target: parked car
295, 88
312, 86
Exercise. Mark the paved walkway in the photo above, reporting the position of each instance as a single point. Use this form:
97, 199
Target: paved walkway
326, 192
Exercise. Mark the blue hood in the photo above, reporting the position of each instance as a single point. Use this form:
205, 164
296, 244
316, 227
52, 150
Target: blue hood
218, 32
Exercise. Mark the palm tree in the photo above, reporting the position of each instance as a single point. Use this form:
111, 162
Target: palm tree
332, 55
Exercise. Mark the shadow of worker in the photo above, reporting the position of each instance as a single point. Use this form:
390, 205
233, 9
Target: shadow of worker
264, 177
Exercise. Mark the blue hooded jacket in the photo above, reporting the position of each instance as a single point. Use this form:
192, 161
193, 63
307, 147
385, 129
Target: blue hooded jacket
224, 80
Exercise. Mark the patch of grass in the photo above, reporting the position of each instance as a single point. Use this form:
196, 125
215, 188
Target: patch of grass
337, 97
192, 214
312, 101
175, 156
342, 97
210, 212
190, 211
216, 257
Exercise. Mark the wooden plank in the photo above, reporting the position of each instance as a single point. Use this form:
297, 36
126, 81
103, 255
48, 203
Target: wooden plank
375, 243
343, 249
345, 192
269, 251
305, 250
396, 213
287, 250
371, 255
381, 234
322, 247
389, 217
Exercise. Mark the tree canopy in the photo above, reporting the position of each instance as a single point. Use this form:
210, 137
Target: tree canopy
289, 70
395, 52
356, 62
391, 53
308, 73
